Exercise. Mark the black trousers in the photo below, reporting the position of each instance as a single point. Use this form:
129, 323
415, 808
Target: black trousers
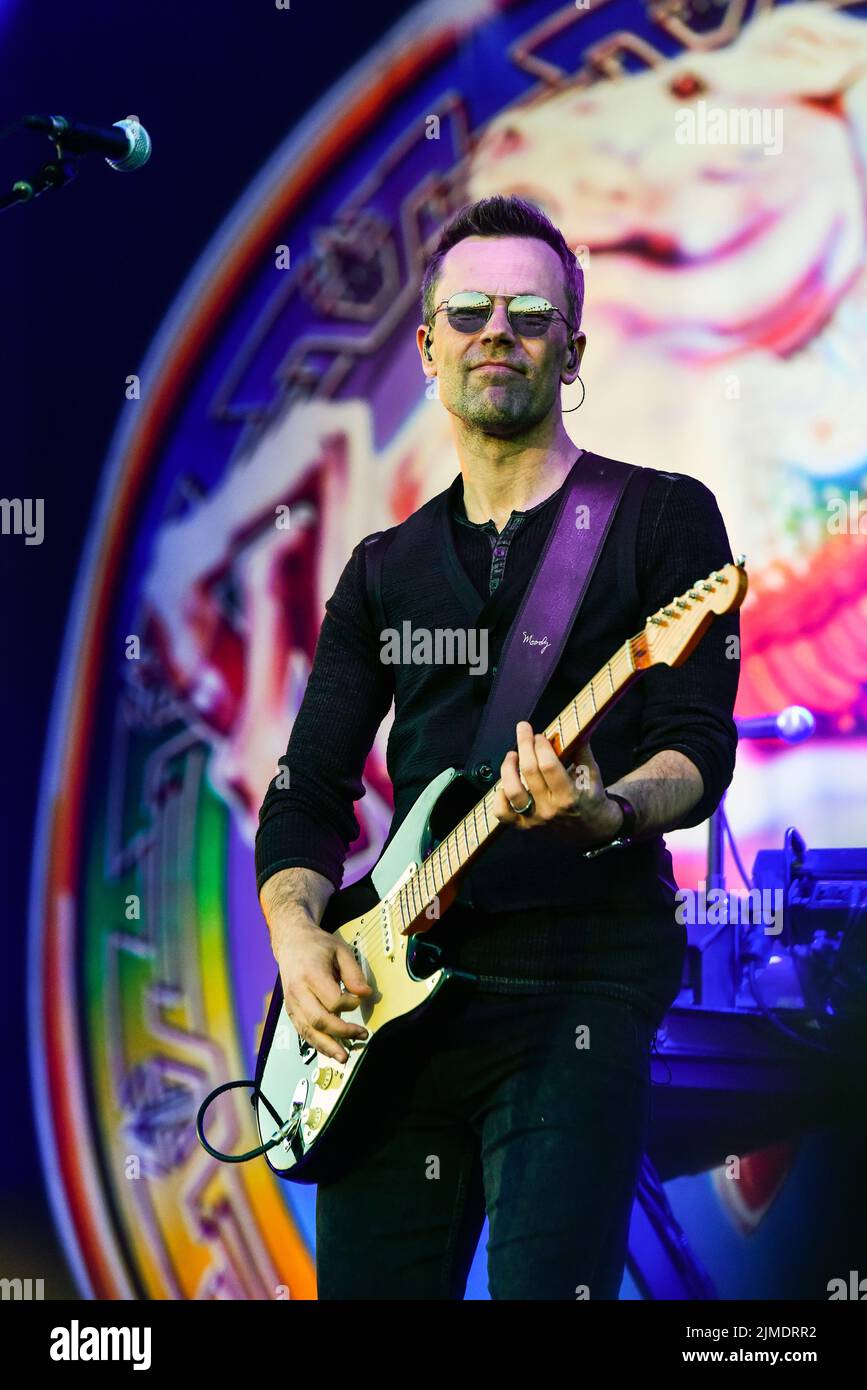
533, 1107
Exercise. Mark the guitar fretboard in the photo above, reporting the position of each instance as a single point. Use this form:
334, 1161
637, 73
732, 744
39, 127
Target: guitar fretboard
473, 832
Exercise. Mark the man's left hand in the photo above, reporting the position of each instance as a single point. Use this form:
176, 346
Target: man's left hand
573, 796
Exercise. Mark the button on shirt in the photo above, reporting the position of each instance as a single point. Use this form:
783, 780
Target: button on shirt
500, 540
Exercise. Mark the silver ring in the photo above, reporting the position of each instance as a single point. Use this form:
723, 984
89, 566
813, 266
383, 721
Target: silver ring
522, 810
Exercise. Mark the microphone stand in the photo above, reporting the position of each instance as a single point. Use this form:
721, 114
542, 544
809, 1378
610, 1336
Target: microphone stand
803, 728
716, 848
55, 174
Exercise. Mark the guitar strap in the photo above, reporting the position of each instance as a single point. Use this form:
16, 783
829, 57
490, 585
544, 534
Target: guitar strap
592, 494
553, 598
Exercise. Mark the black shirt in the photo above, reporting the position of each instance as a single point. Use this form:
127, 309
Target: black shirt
625, 940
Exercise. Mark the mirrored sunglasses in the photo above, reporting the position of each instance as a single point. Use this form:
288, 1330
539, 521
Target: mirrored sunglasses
530, 315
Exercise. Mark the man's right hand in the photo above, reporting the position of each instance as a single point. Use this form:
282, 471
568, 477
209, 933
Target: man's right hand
312, 964
311, 961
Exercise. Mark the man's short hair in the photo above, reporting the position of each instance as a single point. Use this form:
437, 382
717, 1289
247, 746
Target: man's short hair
502, 215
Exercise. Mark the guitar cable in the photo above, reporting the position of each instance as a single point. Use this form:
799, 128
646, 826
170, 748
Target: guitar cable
287, 1128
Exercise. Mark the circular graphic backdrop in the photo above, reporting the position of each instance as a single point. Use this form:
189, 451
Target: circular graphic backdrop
281, 415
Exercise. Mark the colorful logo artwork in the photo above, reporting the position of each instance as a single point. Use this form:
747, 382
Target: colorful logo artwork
284, 415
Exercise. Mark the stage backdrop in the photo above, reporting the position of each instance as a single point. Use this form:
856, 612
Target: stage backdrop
285, 416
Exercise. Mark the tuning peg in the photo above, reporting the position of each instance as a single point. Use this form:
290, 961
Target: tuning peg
693, 594
720, 579
708, 588
740, 561
669, 612
679, 603
656, 620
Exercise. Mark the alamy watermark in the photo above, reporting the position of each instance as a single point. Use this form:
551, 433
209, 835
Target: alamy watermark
437, 646
23, 516
702, 124
25, 1289
847, 516
77, 1343
854, 1288
720, 906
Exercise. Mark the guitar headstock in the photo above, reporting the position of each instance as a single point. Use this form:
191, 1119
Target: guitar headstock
672, 632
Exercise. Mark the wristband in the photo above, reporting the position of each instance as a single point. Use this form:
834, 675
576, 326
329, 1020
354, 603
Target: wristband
630, 816
627, 829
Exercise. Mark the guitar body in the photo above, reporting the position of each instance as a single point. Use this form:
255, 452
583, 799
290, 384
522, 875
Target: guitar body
314, 1090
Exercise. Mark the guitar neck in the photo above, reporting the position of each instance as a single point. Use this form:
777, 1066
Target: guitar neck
459, 848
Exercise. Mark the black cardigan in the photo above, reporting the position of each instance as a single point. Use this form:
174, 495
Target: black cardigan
442, 571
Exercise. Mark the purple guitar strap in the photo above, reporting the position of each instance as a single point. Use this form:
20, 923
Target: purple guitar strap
550, 606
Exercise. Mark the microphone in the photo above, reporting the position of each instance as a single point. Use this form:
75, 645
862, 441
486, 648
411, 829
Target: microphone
793, 724
126, 144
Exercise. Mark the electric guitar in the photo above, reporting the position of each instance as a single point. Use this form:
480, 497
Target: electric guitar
302, 1098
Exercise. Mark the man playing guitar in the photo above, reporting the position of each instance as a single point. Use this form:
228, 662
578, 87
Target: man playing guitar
526, 1094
